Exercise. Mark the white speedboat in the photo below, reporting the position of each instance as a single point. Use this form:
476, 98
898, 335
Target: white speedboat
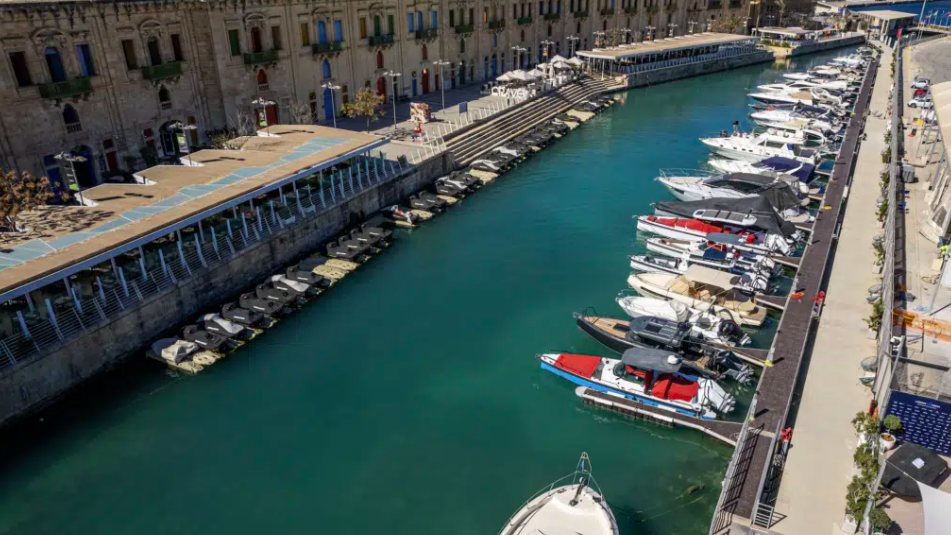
715, 294
712, 254
756, 147
777, 98
660, 264
689, 185
703, 324
777, 165
650, 376
694, 229
573, 504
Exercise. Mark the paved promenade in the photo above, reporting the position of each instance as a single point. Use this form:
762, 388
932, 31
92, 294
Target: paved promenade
811, 498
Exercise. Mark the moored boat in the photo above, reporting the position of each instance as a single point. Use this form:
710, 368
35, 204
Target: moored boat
716, 295
694, 229
650, 376
704, 325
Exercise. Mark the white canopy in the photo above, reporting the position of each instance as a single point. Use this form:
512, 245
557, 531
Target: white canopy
576, 61
507, 77
937, 506
558, 58
536, 73
541, 66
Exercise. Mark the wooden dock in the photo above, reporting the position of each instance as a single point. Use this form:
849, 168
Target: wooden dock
788, 261
775, 302
774, 395
726, 432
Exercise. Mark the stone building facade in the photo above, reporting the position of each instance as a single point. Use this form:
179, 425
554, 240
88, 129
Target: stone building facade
116, 82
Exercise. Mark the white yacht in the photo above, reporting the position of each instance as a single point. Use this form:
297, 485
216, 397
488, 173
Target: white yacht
696, 185
776, 98
756, 147
779, 166
703, 324
713, 292
571, 505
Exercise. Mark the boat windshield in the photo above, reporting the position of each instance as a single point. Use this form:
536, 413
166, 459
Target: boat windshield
625, 372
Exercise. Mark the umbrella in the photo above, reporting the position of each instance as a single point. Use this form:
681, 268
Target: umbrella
576, 61
909, 464
561, 64
536, 73
541, 66
558, 58
519, 75
505, 77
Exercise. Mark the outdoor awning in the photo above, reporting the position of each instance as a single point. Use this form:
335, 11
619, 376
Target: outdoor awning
576, 61
937, 506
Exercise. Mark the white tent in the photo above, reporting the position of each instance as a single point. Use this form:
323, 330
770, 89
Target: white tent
536, 73
558, 58
576, 61
519, 75
560, 64
937, 506
507, 77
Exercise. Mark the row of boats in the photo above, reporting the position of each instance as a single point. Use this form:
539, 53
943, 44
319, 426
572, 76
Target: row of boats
216, 334
713, 252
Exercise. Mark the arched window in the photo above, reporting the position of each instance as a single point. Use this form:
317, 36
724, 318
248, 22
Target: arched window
321, 32
578, 28
462, 46
549, 30
523, 35
256, 45
55, 64
425, 53
376, 25
604, 26
71, 119
262, 80
325, 69
155, 53
379, 60
165, 100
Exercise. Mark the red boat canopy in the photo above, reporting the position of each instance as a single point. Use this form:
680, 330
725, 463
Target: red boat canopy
583, 365
689, 224
675, 387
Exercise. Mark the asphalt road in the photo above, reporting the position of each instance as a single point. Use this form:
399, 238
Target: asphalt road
932, 59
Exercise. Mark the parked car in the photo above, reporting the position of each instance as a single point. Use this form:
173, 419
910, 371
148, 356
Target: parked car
920, 102
921, 92
922, 83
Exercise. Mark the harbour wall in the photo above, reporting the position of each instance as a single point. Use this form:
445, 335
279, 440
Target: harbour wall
820, 46
689, 70
32, 384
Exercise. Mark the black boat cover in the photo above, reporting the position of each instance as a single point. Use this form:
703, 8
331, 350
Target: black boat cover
804, 171
911, 463
658, 360
767, 219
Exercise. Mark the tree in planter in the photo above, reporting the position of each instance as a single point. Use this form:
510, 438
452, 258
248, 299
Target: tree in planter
863, 422
882, 211
21, 192
879, 520
874, 321
367, 104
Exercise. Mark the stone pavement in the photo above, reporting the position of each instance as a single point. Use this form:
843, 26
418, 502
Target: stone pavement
811, 498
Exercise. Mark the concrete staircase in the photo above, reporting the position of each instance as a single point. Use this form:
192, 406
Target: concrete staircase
475, 142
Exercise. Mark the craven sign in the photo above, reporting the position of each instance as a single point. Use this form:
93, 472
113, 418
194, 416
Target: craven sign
507, 92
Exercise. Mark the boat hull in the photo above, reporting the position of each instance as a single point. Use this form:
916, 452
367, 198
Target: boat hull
648, 290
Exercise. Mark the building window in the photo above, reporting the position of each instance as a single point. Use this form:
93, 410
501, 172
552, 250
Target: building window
148, 138
549, 30
452, 19
471, 15
155, 55
234, 41
379, 59
338, 30
410, 22
276, 42
514, 11
20, 69
435, 18
177, 48
55, 65
86, 65
305, 33
71, 119
109, 149
523, 35
262, 81
376, 26
256, 44
425, 53
128, 50
321, 33
165, 100
462, 46
578, 28
485, 15
343, 94
419, 20
325, 69
390, 29
363, 28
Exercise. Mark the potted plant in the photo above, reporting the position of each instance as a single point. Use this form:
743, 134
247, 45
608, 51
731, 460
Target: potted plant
879, 520
892, 425
864, 423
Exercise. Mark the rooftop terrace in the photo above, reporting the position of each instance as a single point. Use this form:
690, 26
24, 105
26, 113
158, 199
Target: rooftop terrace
683, 42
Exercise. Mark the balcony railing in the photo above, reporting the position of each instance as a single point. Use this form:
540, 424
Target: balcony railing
607, 12
256, 58
713, 4
734, 5
323, 48
69, 88
465, 28
496, 24
524, 20
160, 72
552, 16
580, 14
385, 39
429, 33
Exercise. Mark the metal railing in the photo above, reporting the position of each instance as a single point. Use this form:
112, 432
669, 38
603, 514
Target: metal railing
256, 58
160, 72
181, 259
68, 88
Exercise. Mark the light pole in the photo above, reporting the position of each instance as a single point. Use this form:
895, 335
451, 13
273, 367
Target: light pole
650, 32
72, 160
442, 81
920, 20
333, 100
670, 29
393, 77
517, 64
573, 44
691, 24
746, 24
264, 103
626, 32
547, 44
178, 125
598, 37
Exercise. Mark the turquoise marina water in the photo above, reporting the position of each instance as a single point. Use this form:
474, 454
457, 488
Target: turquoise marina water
407, 400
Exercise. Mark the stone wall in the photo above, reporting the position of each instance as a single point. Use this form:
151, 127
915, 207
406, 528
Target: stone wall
32, 384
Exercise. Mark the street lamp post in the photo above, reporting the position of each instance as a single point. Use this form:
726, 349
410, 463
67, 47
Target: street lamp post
691, 24
72, 160
181, 127
670, 29
626, 32
650, 32
333, 100
573, 39
517, 64
393, 77
442, 81
264, 103
598, 37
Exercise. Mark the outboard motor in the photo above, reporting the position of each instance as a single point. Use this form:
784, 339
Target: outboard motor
729, 331
778, 244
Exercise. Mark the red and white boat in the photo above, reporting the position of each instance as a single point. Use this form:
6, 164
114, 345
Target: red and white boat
679, 228
650, 376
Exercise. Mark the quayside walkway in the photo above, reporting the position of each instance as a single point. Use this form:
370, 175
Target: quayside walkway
823, 439
750, 470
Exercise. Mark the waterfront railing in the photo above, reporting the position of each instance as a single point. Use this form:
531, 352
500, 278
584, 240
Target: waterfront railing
182, 259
